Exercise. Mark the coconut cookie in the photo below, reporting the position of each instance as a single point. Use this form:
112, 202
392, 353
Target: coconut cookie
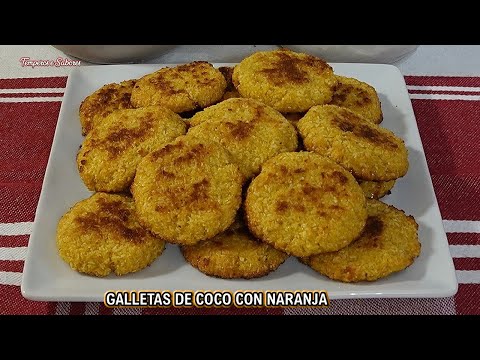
101, 235
95, 107
389, 243
187, 191
285, 80
359, 97
304, 203
234, 254
182, 88
367, 150
110, 153
251, 131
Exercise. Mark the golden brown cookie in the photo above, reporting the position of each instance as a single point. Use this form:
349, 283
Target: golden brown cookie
101, 235
188, 190
285, 80
102, 102
251, 131
182, 88
359, 97
369, 151
234, 254
110, 153
389, 243
304, 204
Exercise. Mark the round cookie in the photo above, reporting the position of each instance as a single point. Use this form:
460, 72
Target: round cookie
285, 80
110, 153
376, 189
187, 191
182, 88
367, 150
101, 235
359, 97
251, 131
104, 101
234, 254
389, 243
304, 204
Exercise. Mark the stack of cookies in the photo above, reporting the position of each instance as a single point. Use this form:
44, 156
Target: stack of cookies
241, 167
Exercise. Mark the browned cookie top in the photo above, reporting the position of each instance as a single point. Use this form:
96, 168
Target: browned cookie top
104, 101
303, 203
389, 243
182, 88
285, 80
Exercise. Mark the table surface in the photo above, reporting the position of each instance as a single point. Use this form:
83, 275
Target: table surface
444, 86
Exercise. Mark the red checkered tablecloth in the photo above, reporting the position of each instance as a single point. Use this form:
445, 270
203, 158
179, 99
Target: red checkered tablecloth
448, 115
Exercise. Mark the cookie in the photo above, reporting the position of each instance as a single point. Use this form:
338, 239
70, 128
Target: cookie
388, 244
101, 235
187, 191
304, 204
285, 80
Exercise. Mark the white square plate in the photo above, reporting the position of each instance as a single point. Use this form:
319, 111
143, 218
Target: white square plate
47, 277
